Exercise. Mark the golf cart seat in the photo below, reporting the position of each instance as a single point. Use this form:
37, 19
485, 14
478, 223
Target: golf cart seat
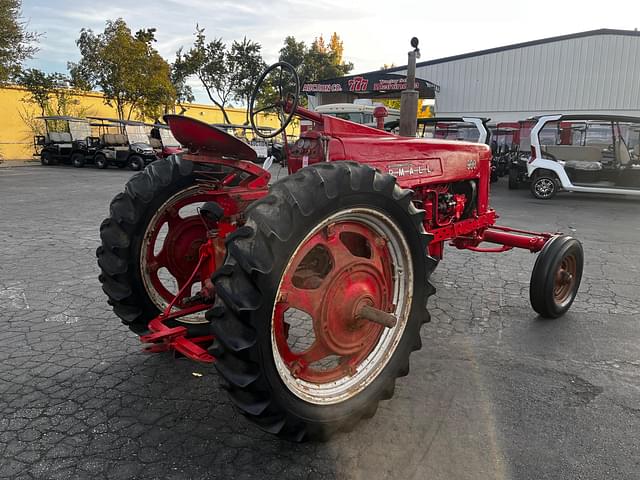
62, 139
587, 158
114, 139
155, 142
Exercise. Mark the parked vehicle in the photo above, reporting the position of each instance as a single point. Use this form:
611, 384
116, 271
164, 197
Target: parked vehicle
247, 134
315, 287
123, 143
163, 142
585, 153
354, 112
66, 139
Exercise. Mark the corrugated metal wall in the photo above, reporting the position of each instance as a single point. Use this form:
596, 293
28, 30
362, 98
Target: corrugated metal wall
600, 73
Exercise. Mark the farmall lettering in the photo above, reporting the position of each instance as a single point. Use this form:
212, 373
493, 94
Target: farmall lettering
411, 169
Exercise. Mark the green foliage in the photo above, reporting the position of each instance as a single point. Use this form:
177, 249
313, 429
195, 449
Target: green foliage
317, 62
16, 43
51, 93
226, 74
207, 61
131, 74
245, 67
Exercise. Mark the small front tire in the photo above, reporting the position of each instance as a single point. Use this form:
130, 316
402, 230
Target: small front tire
136, 163
544, 186
101, 161
513, 179
77, 160
556, 276
46, 158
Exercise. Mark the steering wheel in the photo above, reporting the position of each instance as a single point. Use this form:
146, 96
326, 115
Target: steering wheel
278, 80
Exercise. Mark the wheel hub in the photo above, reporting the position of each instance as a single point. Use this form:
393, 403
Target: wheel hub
338, 325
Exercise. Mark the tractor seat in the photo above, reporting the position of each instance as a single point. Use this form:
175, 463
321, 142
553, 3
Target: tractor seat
114, 139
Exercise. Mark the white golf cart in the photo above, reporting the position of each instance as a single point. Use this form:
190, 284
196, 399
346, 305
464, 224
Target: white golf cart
585, 153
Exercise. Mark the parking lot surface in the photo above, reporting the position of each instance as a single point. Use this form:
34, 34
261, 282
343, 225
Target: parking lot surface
494, 393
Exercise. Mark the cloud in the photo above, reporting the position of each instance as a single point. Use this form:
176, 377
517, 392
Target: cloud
374, 32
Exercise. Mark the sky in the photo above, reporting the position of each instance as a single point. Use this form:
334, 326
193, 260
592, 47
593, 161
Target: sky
375, 32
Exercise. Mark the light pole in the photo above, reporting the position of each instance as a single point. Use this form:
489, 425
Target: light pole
409, 97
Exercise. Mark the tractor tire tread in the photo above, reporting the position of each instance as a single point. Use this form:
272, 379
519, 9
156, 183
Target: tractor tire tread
251, 257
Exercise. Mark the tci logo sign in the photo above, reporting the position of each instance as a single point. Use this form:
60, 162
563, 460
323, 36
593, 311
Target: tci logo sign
358, 84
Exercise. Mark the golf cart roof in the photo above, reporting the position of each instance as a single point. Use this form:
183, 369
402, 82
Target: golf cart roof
118, 121
433, 120
596, 117
107, 125
62, 117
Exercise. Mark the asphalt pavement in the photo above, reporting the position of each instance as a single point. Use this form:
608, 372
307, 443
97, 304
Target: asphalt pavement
495, 392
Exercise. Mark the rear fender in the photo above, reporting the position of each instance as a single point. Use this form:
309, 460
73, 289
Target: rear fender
555, 167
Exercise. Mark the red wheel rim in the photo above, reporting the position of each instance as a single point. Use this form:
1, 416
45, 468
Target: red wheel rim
336, 270
565, 280
177, 249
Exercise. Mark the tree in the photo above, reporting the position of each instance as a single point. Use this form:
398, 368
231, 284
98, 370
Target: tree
131, 74
16, 43
245, 67
317, 62
208, 62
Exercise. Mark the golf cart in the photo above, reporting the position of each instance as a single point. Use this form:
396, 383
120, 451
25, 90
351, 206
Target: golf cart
123, 143
585, 153
66, 139
163, 142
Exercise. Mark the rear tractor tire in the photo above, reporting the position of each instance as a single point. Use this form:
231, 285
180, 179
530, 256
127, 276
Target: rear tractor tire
149, 244
556, 276
321, 299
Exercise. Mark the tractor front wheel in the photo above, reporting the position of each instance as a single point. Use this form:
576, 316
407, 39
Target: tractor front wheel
556, 276
321, 299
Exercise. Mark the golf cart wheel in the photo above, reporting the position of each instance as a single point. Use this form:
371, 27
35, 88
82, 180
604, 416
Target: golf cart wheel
150, 243
136, 163
77, 160
556, 276
101, 161
46, 158
544, 185
513, 179
321, 299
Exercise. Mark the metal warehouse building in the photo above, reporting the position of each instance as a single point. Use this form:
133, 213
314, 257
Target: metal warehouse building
594, 71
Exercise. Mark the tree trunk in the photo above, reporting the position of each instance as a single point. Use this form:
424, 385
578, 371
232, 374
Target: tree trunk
217, 104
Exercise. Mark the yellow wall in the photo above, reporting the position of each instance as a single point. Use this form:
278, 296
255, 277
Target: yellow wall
16, 138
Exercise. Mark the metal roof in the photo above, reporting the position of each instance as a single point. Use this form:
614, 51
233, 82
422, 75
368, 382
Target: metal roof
542, 41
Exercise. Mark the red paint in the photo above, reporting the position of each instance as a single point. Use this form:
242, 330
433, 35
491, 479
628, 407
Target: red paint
435, 169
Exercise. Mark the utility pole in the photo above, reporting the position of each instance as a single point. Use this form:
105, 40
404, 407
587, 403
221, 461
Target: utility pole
409, 97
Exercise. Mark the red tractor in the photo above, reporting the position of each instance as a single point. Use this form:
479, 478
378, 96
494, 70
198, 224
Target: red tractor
307, 294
